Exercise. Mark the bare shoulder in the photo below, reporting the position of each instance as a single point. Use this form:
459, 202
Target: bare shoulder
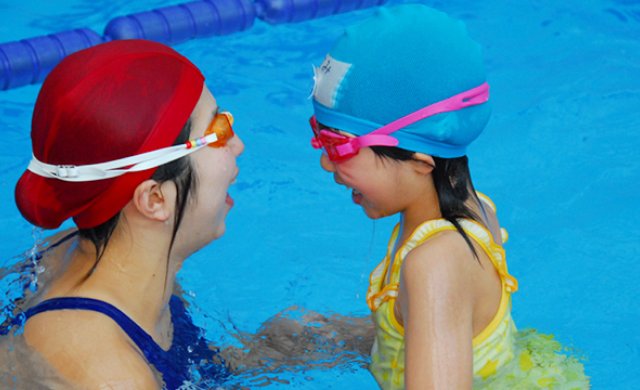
435, 280
444, 257
55, 255
58, 242
55, 238
90, 350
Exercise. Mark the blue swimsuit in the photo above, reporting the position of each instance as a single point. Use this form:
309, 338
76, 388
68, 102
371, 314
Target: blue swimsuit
188, 346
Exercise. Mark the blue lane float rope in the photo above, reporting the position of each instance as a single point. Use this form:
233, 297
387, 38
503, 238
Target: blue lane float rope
288, 11
28, 61
182, 22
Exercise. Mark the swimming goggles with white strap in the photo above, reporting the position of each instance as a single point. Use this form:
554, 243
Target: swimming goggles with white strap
218, 133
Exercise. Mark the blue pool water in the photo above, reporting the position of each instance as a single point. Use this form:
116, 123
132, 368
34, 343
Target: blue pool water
559, 157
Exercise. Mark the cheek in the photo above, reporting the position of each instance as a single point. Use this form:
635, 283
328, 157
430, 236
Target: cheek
207, 214
214, 175
363, 179
211, 195
350, 173
213, 185
381, 188
207, 201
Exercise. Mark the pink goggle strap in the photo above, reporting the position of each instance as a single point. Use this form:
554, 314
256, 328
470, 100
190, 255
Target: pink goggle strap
370, 139
472, 97
380, 137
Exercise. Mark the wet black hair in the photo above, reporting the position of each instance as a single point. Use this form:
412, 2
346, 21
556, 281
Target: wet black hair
180, 172
452, 179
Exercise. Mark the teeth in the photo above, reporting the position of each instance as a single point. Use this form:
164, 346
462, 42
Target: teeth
356, 192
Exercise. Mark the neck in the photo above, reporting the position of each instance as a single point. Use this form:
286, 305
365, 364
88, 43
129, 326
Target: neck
428, 208
134, 274
425, 208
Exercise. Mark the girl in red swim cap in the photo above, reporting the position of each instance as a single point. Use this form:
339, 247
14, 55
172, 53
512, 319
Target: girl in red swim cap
129, 143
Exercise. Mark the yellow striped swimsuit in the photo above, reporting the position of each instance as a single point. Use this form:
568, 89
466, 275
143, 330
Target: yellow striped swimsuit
502, 356
492, 348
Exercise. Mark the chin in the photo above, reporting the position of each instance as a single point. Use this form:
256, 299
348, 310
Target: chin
219, 231
374, 214
209, 235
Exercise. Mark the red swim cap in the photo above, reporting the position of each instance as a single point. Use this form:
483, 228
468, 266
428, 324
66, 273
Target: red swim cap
107, 102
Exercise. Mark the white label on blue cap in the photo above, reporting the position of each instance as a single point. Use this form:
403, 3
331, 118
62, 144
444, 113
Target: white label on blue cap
327, 80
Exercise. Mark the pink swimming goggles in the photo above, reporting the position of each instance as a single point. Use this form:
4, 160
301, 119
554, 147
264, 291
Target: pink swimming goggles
340, 148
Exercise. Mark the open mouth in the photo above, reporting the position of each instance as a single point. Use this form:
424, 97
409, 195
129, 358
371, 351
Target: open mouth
229, 200
356, 196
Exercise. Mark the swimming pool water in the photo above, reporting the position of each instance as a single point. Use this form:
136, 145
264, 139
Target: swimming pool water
559, 157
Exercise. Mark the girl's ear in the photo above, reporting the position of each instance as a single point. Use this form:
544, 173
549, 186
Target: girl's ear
423, 163
151, 201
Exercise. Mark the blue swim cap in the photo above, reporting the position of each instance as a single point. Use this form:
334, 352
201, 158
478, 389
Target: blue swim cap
398, 61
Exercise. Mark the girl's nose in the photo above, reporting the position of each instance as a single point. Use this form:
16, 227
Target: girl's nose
327, 164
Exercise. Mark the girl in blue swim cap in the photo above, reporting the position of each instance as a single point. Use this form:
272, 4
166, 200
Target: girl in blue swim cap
396, 103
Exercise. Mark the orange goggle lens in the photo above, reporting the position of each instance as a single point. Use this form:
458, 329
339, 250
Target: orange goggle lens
221, 125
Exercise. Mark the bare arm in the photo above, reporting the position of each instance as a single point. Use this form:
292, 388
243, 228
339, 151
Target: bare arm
298, 337
437, 310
